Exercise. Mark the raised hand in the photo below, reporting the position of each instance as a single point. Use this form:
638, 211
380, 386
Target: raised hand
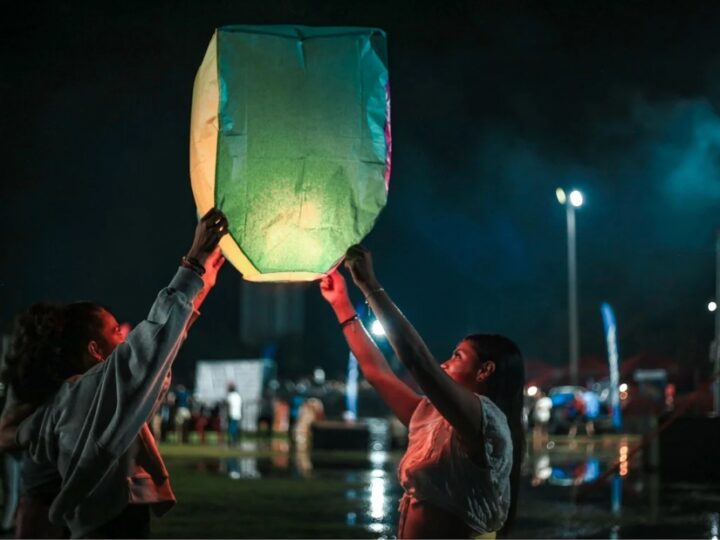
334, 289
210, 229
358, 261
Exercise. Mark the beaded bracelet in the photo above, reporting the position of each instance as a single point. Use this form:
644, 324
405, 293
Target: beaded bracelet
367, 298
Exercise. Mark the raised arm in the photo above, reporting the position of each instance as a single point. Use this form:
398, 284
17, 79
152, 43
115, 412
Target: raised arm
144, 368
399, 397
457, 404
213, 264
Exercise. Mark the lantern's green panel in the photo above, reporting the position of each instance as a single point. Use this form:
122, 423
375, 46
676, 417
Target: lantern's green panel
303, 145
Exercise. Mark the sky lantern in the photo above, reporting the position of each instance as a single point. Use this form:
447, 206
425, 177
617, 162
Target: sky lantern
290, 137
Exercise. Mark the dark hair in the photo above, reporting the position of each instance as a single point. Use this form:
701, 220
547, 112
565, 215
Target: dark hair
505, 388
48, 345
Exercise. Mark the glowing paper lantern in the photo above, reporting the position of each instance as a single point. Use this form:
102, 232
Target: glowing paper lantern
290, 137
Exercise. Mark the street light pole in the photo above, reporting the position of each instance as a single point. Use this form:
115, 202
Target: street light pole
572, 201
716, 345
572, 295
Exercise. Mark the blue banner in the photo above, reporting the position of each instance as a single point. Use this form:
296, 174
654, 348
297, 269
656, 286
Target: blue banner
613, 360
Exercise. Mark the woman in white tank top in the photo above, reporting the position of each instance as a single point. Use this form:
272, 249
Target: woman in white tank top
461, 470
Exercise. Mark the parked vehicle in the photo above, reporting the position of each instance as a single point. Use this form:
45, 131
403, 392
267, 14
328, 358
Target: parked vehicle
577, 406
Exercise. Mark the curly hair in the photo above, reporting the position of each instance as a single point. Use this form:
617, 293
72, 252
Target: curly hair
48, 346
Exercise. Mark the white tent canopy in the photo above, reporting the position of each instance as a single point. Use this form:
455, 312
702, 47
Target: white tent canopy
212, 378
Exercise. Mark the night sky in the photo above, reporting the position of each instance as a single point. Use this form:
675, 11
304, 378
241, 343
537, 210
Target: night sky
494, 105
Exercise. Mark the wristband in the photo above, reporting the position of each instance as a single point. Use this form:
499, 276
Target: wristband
193, 264
349, 320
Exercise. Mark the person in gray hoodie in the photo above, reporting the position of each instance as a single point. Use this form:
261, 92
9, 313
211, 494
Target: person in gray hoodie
91, 428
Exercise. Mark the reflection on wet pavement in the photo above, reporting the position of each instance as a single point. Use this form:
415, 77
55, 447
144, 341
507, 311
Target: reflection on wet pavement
560, 495
374, 490
573, 463
562, 498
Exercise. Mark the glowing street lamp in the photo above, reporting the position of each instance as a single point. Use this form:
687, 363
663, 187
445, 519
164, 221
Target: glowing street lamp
712, 306
576, 198
572, 201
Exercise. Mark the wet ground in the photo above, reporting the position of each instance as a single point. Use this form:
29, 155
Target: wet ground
560, 498
266, 489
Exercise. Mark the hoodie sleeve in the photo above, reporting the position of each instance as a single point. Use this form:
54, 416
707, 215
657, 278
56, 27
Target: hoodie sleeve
134, 375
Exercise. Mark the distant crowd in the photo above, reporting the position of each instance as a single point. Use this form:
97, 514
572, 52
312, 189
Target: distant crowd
285, 407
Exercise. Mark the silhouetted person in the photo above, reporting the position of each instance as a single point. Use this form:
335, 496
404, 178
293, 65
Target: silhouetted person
234, 411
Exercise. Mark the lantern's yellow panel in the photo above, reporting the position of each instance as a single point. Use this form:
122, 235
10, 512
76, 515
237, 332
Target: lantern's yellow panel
290, 137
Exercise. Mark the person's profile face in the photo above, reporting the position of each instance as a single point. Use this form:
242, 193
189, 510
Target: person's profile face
111, 332
462, 366
125, 329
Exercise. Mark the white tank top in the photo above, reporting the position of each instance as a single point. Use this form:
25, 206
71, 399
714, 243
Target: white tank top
437, 469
